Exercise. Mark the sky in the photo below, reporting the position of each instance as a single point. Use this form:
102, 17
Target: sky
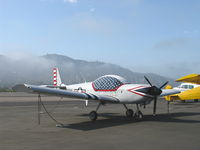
157, 36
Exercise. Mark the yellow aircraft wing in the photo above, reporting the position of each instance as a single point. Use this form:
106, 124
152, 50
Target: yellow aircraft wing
191, 78
189, 94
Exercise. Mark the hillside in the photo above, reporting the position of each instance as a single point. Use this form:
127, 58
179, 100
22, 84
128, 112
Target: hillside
38, 70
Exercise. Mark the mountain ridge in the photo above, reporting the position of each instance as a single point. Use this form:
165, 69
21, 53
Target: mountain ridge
38, 70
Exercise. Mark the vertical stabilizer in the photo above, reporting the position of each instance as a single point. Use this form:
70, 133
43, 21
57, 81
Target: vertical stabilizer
56, 77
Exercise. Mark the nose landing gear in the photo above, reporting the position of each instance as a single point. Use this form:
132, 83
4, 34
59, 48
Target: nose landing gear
138, 115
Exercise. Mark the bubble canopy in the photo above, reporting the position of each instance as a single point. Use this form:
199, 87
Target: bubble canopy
109, 83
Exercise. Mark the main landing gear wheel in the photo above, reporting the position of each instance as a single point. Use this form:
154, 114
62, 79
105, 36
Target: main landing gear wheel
139, 115
93, 115
129, 113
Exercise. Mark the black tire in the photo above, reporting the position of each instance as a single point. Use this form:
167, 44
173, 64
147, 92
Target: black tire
139, 115
93, 115
195, 100
129, 113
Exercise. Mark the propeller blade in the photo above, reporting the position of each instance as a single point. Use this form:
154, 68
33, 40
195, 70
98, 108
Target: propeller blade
164, 84
154, 91
148, 80
154, 105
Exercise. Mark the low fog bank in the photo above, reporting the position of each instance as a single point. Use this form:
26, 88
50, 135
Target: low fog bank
24, 70
38, 70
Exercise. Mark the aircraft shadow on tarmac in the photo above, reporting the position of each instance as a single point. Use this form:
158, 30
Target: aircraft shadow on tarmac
111, 120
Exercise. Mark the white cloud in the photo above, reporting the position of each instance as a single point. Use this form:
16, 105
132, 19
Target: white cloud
70, 1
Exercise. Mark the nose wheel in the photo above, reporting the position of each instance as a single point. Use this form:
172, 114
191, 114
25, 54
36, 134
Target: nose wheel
138, 115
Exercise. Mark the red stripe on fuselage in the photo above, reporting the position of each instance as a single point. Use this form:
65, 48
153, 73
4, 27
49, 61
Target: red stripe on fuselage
132, 90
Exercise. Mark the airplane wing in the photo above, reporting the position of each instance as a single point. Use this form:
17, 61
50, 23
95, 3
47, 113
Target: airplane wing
166, 92
191, 78
71, 94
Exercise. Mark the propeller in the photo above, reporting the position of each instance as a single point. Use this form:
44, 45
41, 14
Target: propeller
155, 92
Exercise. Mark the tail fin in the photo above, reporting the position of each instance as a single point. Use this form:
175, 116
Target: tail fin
56, 77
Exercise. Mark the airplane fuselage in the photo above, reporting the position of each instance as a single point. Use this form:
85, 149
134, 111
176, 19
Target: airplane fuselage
125, 93
106, 89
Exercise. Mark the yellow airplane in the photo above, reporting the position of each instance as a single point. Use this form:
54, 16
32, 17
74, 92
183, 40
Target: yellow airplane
190, 89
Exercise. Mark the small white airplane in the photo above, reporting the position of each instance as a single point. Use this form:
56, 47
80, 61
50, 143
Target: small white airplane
107, 89
186, 86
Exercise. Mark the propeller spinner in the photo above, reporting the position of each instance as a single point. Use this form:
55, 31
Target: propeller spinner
155, 92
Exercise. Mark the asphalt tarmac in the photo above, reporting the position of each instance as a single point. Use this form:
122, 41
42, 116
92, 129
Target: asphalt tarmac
19, 129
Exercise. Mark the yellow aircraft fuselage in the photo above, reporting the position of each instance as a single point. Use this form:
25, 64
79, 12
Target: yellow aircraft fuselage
185, 95
191, 94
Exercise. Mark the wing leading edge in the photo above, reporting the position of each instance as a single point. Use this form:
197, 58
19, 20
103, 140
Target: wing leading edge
166, 92
191, 78
71, 94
